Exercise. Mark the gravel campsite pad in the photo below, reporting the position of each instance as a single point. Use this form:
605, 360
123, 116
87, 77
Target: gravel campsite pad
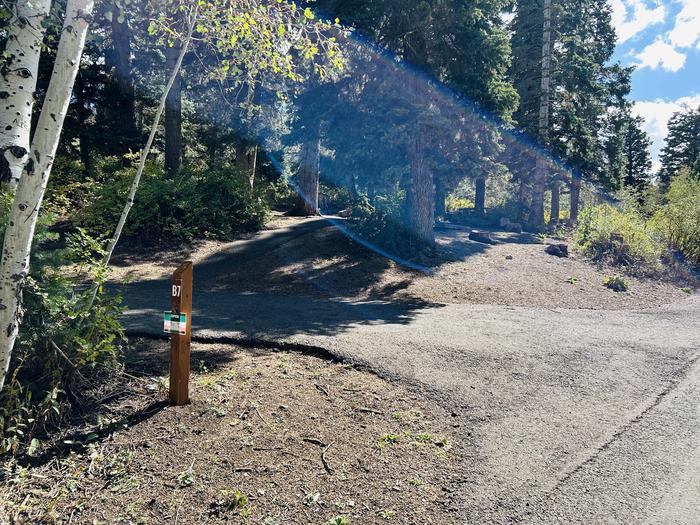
324, 262
269, 438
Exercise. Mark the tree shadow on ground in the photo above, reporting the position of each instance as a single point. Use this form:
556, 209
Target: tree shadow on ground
322, 258
310, 278
79, 440
263, 317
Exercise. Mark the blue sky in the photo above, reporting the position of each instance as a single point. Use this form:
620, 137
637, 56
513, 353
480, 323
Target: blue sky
661, 38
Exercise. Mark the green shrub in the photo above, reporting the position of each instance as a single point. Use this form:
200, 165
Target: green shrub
618, 236
382, 223
678, 220
563, 215
334, 198
199, 203
281, 194
454, 203
69, 186
616, 283
64, 346
220, 204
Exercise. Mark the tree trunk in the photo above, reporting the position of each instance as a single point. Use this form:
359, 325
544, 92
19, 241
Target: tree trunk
536, 218
440, 195
480, 195
253, 168
352, 186
536, 215
124, 105
173, 116
308, 177
372, 191
14, 265
420, 200
574, 196
556, 203
420, 197
25, 35
523, 205
246, 161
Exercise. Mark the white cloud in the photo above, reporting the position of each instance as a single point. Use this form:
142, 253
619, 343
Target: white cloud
631, 17
686, 31
661, 54
656, 114
669, 50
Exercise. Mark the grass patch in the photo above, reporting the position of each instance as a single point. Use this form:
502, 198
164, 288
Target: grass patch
387, 440
616, 283
619, 237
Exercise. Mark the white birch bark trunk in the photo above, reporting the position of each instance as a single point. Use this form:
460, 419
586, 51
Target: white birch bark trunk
14, 265
536, 219
543, 124
18, 77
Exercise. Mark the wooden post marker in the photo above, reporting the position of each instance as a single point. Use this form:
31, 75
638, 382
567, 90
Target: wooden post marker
179, 323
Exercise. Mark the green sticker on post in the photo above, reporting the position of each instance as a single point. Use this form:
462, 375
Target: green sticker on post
175, 323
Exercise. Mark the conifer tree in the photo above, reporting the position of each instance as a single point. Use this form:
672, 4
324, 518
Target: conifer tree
637, 173
682, 147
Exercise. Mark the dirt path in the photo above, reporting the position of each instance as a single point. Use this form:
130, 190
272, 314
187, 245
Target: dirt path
314, 258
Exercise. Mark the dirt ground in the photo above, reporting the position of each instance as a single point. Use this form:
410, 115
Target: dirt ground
269, 438
516, 271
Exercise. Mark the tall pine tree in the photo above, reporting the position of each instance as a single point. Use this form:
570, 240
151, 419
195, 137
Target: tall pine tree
637, 175
682, 147
584, 87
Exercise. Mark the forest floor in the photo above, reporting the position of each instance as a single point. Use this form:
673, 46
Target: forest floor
270, 438
323, 262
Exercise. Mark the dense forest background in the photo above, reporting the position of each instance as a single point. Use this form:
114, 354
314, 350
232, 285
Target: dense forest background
420, 116
431, 110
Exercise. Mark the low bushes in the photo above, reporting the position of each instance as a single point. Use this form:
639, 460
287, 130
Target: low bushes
628, 237
65, 346
210, 203
618, 236
616, 283
455, 204
333, 199
382, 223
678, 220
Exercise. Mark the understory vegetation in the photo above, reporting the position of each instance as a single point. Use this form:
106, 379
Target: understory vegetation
678, 219
619, 236
69, 345
381, 224
640, 237
201, 202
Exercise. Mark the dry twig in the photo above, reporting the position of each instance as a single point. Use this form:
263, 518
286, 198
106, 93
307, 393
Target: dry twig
314, 441
370, 411
327, 465
323, 389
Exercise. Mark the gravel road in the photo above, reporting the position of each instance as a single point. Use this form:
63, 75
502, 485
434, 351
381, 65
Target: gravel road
570, 416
